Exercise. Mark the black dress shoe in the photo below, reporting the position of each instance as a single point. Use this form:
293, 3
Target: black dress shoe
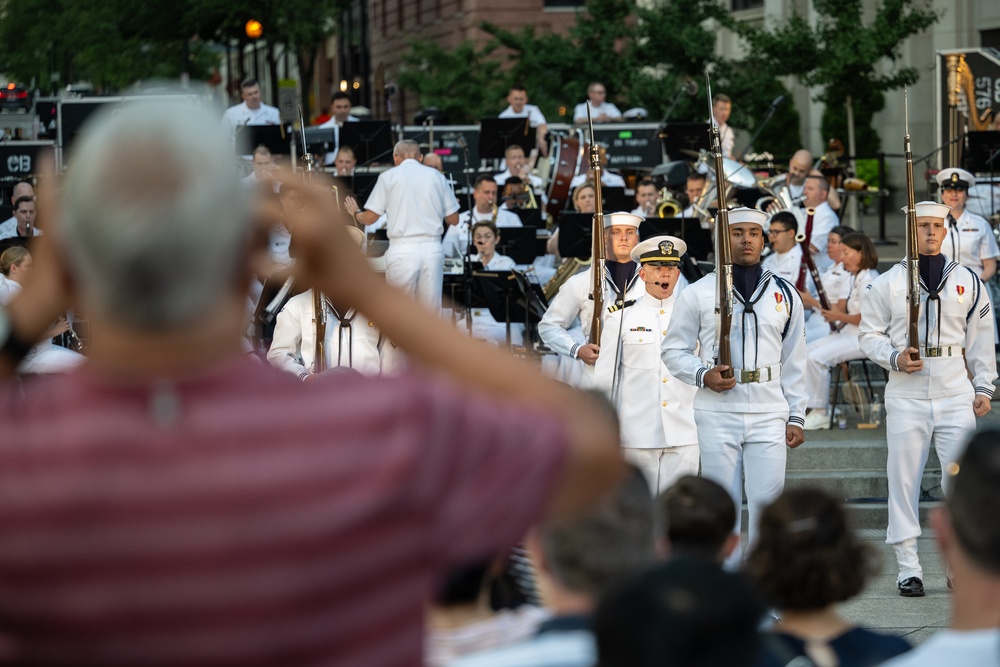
911, 588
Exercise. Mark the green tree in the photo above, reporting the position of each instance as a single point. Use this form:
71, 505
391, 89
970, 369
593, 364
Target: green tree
462, 82
852, 62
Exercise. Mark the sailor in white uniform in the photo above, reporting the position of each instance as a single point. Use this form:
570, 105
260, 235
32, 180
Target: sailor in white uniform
970, 240
656, 411
746, 422
571, 310
930, 399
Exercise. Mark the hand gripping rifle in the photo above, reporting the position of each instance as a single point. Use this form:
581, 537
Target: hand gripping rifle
723, 252
598, 255
912, 254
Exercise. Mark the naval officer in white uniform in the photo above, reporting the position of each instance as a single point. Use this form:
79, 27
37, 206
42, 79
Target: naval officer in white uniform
655, 409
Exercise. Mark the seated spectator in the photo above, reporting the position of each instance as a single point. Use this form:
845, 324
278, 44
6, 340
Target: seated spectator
968, 533
687, 612
461, 619
806, 560
577, 560
696, 519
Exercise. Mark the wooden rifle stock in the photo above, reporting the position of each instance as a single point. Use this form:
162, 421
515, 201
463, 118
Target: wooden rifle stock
598, 254
912, 252
723, 253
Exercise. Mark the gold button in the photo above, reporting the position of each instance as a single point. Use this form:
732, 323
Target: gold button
664, 404
640, 340
664, 380
662, 311
664, 332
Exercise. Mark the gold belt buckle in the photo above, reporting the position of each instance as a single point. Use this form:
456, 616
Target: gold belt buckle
934, 351
749, 376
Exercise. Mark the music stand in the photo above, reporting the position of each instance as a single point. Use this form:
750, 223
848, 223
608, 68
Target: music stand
371, 140
496, 134
983, 154
699, 240
530, 217
272, 137
518, 243
498, 289
679, 137
615, 199
576, 234
319, 141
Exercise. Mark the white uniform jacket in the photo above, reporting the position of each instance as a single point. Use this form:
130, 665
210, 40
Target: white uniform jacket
970, 240
457, 237
962, 319
573, 304
293, 348
655, 409
768, 337
787, 265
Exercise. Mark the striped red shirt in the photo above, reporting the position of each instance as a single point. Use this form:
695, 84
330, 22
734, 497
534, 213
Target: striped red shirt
245, 518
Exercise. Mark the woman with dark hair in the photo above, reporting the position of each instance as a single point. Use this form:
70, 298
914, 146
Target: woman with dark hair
805, 561
836, 283
859, 257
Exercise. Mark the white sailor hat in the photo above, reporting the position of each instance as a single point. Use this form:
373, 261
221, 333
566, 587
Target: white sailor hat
930, 209
955, 179
622, 218
743, 215
660, 249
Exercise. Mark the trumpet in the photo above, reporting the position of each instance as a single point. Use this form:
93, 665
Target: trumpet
667, 206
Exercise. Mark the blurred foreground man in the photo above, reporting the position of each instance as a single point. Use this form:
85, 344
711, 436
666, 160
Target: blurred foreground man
176, 503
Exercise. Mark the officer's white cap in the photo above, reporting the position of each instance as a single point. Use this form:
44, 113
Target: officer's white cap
930, 209
666, 249
955, 177
622, 219
742, 216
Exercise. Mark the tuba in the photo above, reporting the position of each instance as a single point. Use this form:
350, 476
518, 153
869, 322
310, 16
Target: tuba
777, 193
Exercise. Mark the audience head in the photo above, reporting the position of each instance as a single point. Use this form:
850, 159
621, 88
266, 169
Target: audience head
697, 517
806, 556
407, 149
250, 90
155, 228
587, 554
686, 611
967, 523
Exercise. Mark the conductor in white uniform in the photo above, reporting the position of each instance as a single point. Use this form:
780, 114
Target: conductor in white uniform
656, 410
417, 201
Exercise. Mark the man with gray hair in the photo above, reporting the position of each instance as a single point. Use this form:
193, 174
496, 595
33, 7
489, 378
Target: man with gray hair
416, 200
174, 502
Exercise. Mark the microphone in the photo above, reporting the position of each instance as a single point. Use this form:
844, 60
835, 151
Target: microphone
777, 100
690, 87
460, 139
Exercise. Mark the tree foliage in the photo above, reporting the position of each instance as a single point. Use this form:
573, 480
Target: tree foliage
844, 56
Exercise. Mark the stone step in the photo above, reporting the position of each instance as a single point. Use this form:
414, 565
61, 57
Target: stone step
841, 450
856, 484
871, 515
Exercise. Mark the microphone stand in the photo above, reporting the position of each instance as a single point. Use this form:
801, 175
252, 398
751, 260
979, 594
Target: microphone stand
466, 255
760, 126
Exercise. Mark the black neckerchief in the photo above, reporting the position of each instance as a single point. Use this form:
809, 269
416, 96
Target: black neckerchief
745, 279
621, 273
931, 268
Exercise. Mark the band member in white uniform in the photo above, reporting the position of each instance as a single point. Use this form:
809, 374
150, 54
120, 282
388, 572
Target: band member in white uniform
645, 199
931, 399
417, 201
485, 207
970, 240
569, 314
815, 192
746, 422
601, 111
836, 283
517, 165
251, 111
485, 237
860, 259
518, 107
656, 411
